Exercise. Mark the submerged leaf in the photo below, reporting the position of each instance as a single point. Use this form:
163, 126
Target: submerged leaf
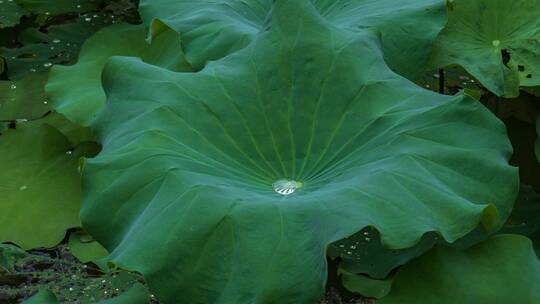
183, 189
10, 14
503, 269
59, 44
496, 41
57, 7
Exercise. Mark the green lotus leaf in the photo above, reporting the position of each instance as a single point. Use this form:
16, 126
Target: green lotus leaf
10, 14
227, 185
59, 44
503, 269
213, 29
76, 91
40, 185
496, 41
58, 7
364, 253
364, 285
85, 248
23, 99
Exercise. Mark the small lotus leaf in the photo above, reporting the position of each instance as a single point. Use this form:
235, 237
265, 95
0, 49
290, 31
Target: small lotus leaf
496, 41
85, 248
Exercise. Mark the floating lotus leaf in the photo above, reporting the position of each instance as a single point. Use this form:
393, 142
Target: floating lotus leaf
496, 41
503, 269
183, 190
59, 44
213, 29
10, 14
57, 7
76, 91
39, 185
23, 99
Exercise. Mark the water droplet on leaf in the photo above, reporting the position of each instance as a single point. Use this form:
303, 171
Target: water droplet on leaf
286, 187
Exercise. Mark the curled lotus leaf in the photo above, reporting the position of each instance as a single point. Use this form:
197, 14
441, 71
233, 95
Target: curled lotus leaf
496, 41
213, 29
183, 190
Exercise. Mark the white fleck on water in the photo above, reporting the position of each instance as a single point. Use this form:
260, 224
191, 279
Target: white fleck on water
47, 64
496, 42
13, 86
286, 187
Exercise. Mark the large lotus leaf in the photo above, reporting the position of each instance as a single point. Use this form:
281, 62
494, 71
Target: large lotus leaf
496, 41
503, 269
76, 91
57, 7
23, 99
213, 29
187, 187
10, 14
39, 185
58, 44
